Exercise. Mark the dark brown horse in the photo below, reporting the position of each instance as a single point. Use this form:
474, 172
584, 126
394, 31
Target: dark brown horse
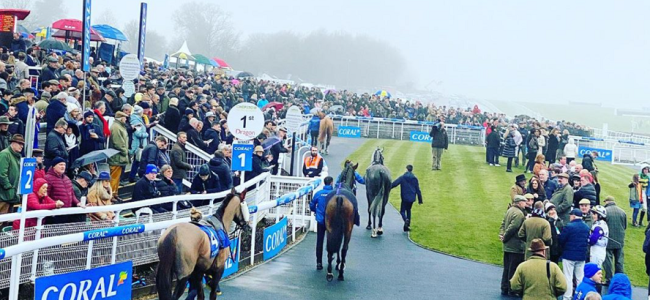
339, 220
184, 251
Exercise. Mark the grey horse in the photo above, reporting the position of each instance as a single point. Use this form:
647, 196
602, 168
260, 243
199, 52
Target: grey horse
378, 185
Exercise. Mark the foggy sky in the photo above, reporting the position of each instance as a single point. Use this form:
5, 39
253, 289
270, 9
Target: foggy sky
555, 51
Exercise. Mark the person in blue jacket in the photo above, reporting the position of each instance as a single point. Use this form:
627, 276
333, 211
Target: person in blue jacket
593, 276
410, 188
620, 288
574, 239
317, 205
314, 129
357, 178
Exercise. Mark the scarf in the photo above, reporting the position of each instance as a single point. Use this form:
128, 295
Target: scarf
107, 131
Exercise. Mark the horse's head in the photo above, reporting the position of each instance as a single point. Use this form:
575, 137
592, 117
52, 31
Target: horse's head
235, 203
378, 156
347, 175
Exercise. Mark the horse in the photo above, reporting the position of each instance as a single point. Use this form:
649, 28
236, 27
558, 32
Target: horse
339, 221
325, 132
378, 185
184, 251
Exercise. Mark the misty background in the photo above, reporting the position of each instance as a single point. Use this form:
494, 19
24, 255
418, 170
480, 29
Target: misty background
547, 52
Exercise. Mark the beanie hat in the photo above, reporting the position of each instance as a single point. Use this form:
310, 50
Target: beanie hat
576, 212
204, 170
548, 206
88, 113
151, 168
57, 161
591, 269
189, 111
38, 183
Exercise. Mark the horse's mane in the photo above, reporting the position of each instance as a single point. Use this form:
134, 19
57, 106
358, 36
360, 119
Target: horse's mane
377, 157
224, 204
347, 176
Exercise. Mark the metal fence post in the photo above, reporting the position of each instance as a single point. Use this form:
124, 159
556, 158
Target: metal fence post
114, 247
253, 238
37, 236
293, 221
89, 256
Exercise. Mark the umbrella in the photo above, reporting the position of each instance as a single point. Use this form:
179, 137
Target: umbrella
110, 32
52, 44
336, 108
40, 31
201, 59
234, 81
74, 35
94, 156
383, 93
276, 105
68, 24
244, 75
315, 110
222, 63
268, 143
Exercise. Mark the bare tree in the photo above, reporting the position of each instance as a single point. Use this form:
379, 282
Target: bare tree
207, 29
43, 12
156, 44
105, 17
131, 31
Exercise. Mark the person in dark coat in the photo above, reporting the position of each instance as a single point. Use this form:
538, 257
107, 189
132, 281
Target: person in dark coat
55, 110
194, 137
587, 190
108, 99
588, 161
556, 224
410, 188
574, 240
92, 137
439, 142
172, 116
51, 71
184, 122
317, 205
166, 186
55, 143
5, 136
155, 154
17, 126
258, 161
552, 145
492, 146
510, 150
205, 182
146, 187
278, 148
219, 166
179, 161
213, 133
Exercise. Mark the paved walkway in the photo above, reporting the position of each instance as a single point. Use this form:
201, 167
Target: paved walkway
389, 267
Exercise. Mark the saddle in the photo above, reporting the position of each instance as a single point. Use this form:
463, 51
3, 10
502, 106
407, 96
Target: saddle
218, 236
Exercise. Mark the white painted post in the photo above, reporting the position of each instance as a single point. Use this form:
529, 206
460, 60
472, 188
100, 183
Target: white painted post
293, 221
253, 237
89, 255
37, 236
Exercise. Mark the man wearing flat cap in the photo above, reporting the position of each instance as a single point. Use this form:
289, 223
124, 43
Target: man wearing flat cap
513, 246
538, 278
563, 198
10, 173
5, 136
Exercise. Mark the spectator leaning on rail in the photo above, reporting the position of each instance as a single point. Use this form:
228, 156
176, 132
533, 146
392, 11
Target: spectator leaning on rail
205, 182
81, 183
55, 143
277, 149
313, 164
146, 188
60, 188
317, 205
409, 190
10, 173
38, 200
219, 166
439, 142
538, 278
100, 194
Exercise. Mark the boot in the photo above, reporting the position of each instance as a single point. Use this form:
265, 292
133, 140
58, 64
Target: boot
641, 218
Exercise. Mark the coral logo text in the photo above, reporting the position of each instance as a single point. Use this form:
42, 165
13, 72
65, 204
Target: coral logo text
419, 136
349, 131
110, 282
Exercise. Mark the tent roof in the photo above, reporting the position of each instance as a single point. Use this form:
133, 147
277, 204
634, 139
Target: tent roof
202, 59
184, 53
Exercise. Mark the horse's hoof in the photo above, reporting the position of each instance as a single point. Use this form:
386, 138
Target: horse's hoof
341, 278
374, 233
380, 231
330, 277
368, 227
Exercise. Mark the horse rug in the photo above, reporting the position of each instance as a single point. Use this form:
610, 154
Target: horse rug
218, 238
345, 192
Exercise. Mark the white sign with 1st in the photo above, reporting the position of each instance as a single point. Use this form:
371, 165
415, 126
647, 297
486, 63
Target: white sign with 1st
293, 119
129, 88
130, 67
245, 121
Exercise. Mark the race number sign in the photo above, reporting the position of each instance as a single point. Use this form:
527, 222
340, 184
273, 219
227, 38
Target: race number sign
242, 157
245, 121
130, 67
27, 169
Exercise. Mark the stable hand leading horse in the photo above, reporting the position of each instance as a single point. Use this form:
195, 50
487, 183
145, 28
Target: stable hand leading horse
378, 185
339, 221
185, 250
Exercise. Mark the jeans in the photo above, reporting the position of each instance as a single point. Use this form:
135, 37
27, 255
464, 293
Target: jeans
613, 262
179, 185
572, 268
405, 210
320, 237
510, 263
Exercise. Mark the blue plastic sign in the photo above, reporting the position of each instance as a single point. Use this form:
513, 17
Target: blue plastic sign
86, 36
349, 131
27, 170
110, 282
143, 32
275, 238
603, 154
113, 231
242, 157
419, 136
232, 266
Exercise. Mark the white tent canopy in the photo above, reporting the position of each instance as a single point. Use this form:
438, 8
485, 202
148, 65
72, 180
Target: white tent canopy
183, 52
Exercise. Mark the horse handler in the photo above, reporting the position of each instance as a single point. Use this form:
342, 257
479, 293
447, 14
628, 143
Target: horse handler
317, 205
409, 189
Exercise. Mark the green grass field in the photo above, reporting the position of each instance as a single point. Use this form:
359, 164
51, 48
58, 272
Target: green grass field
465, 202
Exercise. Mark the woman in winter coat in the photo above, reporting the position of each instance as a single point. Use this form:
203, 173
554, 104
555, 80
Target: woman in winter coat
556, 226
38, 200
100, 194
541, 142
139, 140
539, 164
167, 187
635, 198
570, 151
553, 144
536, 189
533, 147
564, 140
509, 149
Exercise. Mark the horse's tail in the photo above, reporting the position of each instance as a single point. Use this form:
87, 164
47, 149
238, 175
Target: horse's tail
195, 214
335, 238
377, 204
167, 257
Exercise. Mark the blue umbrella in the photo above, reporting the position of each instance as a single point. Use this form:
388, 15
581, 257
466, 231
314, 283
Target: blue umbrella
110, 32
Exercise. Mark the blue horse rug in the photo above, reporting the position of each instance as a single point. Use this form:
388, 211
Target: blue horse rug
345, 192
218, 239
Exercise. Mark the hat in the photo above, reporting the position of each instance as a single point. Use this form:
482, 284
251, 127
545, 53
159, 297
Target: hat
37, 152
94, 70
46, 95
204, 170
537, 245
52, 59
144, 105
576, 212
57, 161
104, 176
87, 176
259, 149
88, 113
189, 111
121, 114
282, 129
5, 120
53, 82
520, 177
17, 138
609, 199
71, 106
591, 269
575, 177
151, 168
548, 206
209, 114
529, 196
137, 97
72, 89
519, 198
584, 201
111, 93
223, 122
563, 175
